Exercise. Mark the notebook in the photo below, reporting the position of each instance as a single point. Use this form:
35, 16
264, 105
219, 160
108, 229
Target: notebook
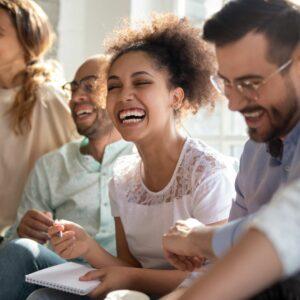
64, 277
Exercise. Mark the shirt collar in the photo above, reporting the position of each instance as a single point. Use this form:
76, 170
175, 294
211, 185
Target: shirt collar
111, 151
276, 146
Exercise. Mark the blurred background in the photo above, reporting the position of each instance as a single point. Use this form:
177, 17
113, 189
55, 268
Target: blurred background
81, 26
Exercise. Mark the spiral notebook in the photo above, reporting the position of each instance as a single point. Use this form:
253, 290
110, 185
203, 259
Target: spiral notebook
64, 277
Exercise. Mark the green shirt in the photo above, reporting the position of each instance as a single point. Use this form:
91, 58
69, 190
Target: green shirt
74, 187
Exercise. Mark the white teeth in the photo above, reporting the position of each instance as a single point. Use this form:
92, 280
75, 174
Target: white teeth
254, 114
129, 121
83, 111
131, 113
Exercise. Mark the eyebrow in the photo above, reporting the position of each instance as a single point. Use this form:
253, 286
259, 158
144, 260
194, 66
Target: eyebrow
89, 77
85, 78
242, 78
112, 77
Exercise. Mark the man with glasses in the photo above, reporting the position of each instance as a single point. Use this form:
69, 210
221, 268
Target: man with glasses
257, 45
70, 183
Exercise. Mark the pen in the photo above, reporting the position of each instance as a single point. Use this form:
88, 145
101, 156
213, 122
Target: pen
58, 234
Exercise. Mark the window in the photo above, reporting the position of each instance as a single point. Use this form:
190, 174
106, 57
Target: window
221, 128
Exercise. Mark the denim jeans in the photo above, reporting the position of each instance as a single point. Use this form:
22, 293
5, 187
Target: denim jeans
18, 258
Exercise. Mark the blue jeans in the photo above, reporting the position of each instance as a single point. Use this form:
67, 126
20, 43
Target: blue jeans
18, 258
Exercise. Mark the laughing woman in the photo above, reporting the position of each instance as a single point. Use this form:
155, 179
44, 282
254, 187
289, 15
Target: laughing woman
156, 74
34, 114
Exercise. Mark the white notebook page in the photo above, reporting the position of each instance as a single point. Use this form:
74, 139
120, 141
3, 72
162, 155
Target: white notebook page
64, 277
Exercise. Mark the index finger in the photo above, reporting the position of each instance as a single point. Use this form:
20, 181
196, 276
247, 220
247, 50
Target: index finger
41, 217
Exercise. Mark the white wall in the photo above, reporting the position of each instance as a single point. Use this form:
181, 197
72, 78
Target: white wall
83, 24
142, 9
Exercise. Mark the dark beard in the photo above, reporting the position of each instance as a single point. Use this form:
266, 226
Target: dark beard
98, 128
89, 131
282, 124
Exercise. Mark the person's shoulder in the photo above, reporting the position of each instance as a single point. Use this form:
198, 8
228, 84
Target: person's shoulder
66, 152
253, 151
51, 93
126, 166
206, 158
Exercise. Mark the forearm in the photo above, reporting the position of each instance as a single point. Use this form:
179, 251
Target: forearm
248, 268
157, 282
98, 257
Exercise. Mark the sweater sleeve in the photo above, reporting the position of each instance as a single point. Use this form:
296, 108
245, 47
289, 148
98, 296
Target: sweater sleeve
280, 222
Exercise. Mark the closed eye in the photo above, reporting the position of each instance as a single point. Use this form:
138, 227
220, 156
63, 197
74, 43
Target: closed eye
250, 83
113, 86
142, 82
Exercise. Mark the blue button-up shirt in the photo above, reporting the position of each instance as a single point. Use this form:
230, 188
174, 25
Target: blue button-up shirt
260, 174
259, 178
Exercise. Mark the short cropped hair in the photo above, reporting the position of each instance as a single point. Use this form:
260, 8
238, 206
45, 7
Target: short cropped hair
277, 20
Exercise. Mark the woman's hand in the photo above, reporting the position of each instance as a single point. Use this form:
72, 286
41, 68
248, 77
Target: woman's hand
181, 244
69, 240
112, 278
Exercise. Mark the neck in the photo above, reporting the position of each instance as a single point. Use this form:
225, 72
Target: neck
96, 145
160, 157
12, 75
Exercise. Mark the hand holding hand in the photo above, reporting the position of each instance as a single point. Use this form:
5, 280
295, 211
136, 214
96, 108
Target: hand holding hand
186, 244
73, 241
34, 225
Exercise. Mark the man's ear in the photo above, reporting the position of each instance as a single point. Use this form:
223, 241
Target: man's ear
178, 96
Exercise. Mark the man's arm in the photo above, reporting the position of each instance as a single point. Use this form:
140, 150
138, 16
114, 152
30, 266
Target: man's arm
268, 250
248, 268
188, 239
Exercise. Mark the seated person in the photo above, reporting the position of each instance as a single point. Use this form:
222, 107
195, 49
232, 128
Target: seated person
69, 183
151, 83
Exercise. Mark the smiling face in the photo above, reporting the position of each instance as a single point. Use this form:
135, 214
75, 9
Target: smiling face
139, 99
275, 112
86, 91
11, 50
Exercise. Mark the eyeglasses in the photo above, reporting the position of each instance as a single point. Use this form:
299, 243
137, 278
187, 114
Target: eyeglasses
89, 85
248, 87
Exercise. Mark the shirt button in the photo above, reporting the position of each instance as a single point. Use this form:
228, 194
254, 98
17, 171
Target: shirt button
287, 168
105, 204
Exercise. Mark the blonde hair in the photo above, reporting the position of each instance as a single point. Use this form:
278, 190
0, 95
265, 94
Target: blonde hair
36, 37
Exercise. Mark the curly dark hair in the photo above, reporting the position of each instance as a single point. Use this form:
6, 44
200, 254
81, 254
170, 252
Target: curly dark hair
176, 45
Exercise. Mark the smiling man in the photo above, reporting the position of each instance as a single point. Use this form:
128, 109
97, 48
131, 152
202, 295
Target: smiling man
257, 45
69, 183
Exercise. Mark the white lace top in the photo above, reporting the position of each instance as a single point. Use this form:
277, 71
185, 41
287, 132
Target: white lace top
202, 187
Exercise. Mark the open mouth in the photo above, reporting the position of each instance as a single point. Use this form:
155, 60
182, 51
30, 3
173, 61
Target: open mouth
84, 111
253, 118
131, 116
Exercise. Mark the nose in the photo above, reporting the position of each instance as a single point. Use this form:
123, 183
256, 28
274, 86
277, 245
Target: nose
126, 94
78, 96
236, 101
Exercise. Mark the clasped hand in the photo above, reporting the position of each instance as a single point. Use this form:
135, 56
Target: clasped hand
181, 245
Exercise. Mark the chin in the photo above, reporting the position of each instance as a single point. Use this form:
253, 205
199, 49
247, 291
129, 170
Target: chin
263, 137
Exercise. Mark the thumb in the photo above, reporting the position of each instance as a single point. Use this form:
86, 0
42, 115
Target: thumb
92, 275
